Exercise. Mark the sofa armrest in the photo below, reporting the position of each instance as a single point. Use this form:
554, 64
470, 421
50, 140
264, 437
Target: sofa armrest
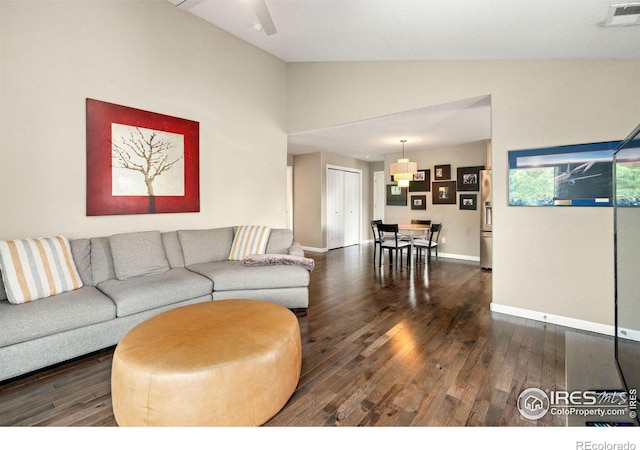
296, 250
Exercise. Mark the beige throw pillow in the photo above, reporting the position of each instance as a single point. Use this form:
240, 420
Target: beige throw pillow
37, 268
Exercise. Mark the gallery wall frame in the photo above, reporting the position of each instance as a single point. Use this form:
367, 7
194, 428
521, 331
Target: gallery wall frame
140, 162
469, 201
419, 202
444, 193
396, 195
469, 178
442, 172
421, 181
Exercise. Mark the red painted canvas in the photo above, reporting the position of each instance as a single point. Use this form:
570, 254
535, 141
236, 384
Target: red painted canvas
140, 162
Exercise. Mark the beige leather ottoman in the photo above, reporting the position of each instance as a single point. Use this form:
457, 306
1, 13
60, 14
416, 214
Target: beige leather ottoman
219, 363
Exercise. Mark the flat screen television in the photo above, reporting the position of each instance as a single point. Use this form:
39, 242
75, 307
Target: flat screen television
626, 184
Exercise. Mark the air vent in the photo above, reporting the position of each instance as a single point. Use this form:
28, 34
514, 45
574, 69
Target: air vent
623, 14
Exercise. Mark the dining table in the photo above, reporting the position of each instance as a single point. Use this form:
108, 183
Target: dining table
413, 230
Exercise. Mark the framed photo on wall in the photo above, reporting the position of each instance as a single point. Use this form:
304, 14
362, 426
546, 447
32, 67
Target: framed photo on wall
421, 181
418, 202
442, 172
469, 178
396, 195
444, 193
469, 201
567, 175
140, 162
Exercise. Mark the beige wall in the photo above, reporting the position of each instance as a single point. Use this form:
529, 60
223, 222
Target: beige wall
550, 260
307, 200
146, 55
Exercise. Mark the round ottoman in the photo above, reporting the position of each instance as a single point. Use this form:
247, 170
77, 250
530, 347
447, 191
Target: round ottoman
219, 363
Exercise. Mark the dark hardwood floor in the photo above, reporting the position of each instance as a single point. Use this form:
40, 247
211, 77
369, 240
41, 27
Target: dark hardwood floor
381, 347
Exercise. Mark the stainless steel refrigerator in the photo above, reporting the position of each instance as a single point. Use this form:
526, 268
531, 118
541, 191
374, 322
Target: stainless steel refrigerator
486, 221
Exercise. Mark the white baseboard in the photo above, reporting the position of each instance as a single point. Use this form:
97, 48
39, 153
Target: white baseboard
315, 249
463, 257
445, 255
628, 333
370, 242
570, 322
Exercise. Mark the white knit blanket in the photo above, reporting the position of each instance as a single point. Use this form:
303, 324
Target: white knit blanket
273, 259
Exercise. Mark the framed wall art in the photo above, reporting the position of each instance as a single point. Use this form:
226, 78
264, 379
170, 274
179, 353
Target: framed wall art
444, 193
140, 162
442, 172
569, 175
421, 181
469, 178
469, 201
396, 195
418, 202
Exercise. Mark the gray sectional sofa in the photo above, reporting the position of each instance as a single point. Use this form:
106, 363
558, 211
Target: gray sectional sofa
128, 278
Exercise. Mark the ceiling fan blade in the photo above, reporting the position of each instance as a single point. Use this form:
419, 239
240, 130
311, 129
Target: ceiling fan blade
185, 4
262, 12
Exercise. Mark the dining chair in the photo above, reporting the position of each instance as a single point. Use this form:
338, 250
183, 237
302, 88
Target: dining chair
428, 244
377, 237
393, 243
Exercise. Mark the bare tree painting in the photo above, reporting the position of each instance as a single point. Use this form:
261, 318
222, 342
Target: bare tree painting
146, 162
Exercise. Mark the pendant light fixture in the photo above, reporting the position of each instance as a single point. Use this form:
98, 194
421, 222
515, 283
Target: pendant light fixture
403, 170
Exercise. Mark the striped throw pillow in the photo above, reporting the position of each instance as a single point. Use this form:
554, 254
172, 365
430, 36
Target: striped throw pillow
37, 268
249, 240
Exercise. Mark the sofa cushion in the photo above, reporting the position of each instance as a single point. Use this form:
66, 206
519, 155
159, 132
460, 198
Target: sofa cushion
249, 240
280, 239
37, 268
3, 293
81, 251
139, 253
101, 260
296, 250
234, 275
203, 246
172, 249
146, 292
62, 312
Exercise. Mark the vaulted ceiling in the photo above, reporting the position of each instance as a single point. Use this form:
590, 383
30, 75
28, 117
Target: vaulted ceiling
395, 30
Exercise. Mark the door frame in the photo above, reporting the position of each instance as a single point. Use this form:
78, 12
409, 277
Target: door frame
383, 192
289, 211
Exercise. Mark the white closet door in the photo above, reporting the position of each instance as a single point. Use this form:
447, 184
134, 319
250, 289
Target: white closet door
335, 208
351, 208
